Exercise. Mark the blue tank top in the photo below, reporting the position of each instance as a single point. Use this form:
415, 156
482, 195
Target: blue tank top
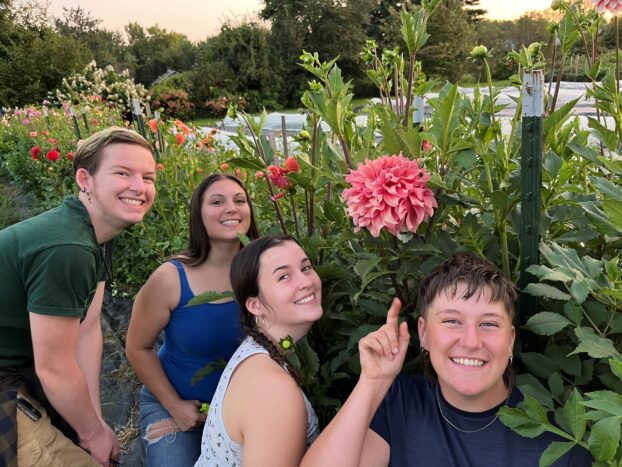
195, 336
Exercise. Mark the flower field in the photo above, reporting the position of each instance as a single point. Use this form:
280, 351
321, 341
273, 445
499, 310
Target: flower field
377, 207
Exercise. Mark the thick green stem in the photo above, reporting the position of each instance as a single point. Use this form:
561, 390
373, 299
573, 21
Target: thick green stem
492, 101
311, 214
270, 190
568, 8
411, 72
617, 56
293, 205
558, 82
503, 240
553, 64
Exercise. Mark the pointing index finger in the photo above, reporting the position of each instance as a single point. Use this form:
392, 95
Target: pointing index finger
393, 313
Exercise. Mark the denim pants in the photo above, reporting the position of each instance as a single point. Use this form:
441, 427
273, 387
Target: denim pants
166, 447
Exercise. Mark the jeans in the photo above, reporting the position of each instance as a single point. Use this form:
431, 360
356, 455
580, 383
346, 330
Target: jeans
166, 446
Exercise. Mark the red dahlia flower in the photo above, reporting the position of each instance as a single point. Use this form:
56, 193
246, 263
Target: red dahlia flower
35, 152
389, 192
52, 155
277, 176
291, 165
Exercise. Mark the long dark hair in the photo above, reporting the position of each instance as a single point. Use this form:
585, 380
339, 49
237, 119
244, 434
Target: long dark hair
199, 244
244, 275
478, 275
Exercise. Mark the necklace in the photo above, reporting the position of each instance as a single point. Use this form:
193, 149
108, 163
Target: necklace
438, 402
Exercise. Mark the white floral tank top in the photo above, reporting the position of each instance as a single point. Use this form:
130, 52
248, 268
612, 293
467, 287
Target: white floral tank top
217, 448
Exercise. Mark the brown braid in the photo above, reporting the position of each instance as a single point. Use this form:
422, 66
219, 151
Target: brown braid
273, 351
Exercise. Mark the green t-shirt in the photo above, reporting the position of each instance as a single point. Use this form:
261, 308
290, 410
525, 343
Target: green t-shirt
50, 264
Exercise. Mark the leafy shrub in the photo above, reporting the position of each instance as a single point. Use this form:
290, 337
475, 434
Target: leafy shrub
174, 103
218, 107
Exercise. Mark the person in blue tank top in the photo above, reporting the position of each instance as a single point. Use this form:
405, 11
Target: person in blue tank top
170, 418
449, 418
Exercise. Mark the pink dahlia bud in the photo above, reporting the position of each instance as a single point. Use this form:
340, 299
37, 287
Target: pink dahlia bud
389, 193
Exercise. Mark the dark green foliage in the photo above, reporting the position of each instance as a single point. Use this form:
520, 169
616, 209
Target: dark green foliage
329, 28
501, 37
236, 63
35, 63
156, 50
107, 47
445, 53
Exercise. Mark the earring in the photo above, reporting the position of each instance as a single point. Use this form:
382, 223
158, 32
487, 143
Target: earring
88, 194
260, 320
511, 359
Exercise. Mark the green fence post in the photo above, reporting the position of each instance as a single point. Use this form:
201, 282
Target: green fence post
531, 181
86, 123
47, 118
76, 128
138, 117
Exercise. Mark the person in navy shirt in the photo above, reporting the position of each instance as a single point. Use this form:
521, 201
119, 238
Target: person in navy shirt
448, 418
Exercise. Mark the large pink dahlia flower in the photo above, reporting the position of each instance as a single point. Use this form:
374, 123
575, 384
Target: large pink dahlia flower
612, 6
389, 192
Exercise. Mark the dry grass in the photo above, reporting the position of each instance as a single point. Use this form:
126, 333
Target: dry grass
130, 430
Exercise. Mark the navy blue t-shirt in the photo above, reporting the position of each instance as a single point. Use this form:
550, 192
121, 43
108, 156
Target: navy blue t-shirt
409, 420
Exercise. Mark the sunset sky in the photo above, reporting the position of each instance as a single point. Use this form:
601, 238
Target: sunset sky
199, 19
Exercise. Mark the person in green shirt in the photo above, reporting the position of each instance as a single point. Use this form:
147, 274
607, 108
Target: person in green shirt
53, 269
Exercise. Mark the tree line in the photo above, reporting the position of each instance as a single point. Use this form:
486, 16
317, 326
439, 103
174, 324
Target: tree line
253, 63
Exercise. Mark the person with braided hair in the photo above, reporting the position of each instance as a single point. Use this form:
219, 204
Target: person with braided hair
259, 415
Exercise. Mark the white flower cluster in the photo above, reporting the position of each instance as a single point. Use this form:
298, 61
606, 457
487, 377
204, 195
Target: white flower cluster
101, 84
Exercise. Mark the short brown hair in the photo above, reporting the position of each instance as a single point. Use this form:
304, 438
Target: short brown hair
479, 276
88, 154
475, 273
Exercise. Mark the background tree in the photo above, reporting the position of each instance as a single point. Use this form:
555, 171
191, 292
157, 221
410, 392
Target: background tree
237, 62
155, 50
501, 37
444, 56
328, 27
33, 57
474, 13
107, 47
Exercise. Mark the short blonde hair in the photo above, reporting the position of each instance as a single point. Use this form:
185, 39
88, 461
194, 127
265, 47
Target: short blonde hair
88, 154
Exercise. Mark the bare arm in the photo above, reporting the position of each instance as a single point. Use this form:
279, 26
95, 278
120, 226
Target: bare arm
90, 345
55, 344
347, 441
265, 407
150, 315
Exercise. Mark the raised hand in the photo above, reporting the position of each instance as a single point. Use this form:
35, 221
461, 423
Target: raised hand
382, 352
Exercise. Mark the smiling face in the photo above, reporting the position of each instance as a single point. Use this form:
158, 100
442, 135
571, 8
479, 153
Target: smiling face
470, 342
290, 292
122, 189
225, 210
